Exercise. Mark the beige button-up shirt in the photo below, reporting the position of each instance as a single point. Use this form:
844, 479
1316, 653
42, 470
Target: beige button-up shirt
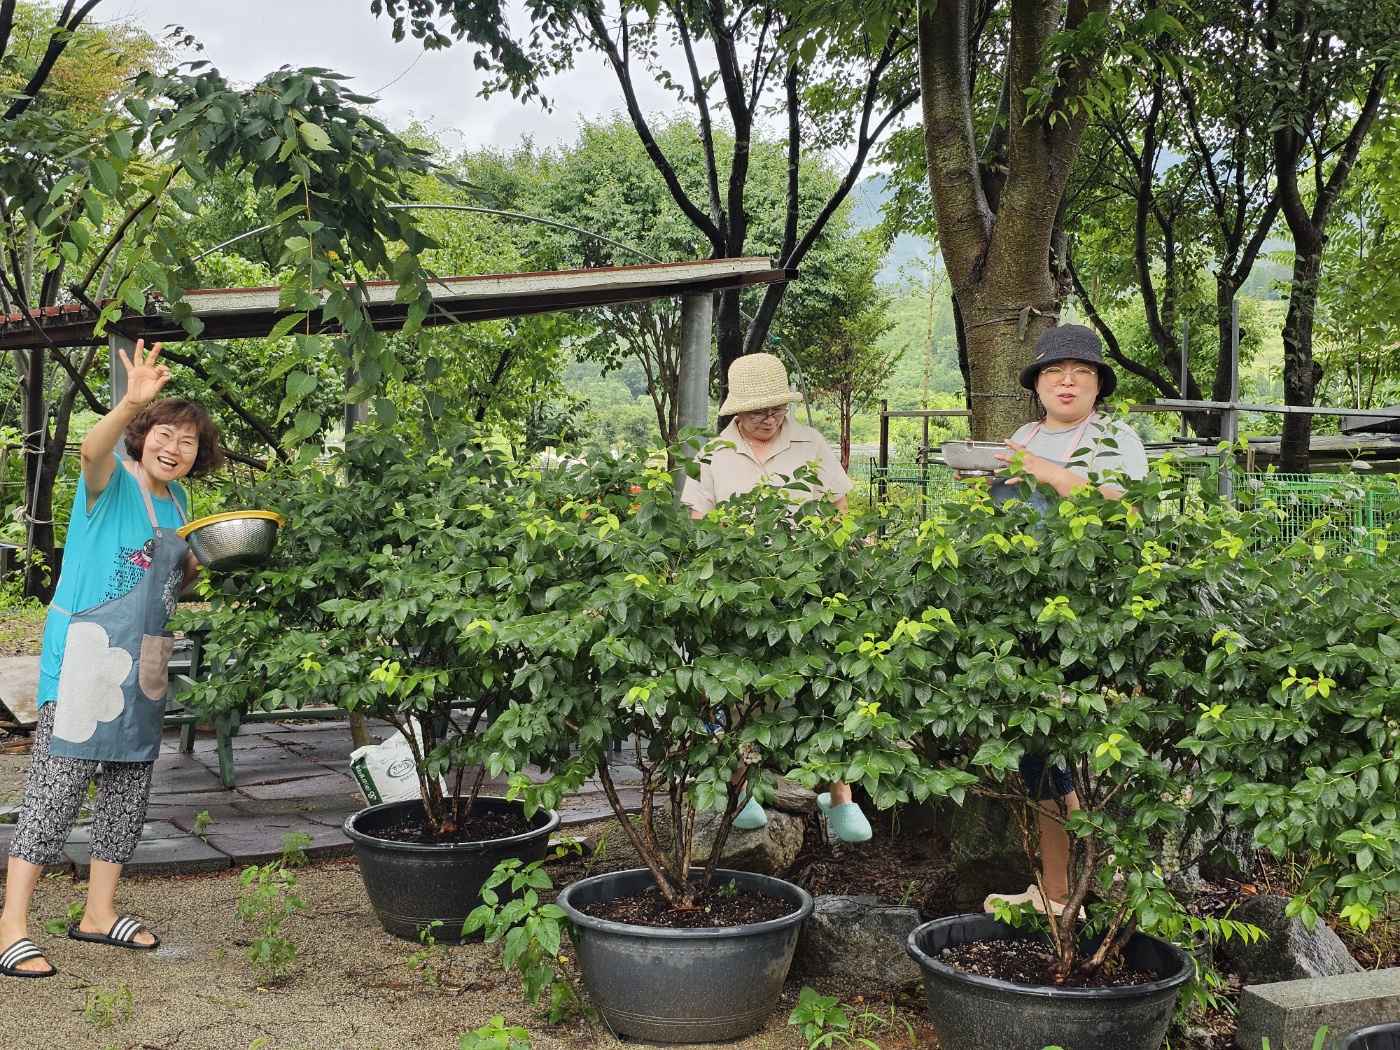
726, 472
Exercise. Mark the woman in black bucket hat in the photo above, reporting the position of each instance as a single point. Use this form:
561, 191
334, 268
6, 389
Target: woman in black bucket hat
1070, 445
1071, 442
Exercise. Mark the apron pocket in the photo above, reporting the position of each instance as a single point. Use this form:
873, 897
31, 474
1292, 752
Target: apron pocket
155, 665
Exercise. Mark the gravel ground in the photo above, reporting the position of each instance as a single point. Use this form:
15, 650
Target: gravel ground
351, 988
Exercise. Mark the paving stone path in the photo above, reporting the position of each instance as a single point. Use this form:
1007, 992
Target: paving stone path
292, 777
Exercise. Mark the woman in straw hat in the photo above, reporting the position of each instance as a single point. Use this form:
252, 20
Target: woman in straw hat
762, 445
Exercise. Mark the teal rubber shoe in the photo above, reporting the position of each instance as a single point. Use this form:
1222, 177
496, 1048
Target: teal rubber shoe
751, 817
848, 823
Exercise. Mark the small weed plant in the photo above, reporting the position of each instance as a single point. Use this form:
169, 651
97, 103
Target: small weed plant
533, 935
202, 822
432, 965
71, 918
494, 1035
1319, 1040
1206, 992
105, 1009
825, 1022
269, 899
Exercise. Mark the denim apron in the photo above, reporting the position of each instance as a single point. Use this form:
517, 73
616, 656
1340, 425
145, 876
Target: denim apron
1038, 501
111, 688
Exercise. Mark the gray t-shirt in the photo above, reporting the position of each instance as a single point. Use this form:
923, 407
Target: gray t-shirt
1107, 445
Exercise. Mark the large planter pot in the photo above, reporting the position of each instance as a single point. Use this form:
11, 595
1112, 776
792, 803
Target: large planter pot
969, 1012
1374, 1037
411, 884
684, 986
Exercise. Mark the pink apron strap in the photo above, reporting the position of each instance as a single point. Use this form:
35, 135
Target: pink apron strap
1075, 438
146, 495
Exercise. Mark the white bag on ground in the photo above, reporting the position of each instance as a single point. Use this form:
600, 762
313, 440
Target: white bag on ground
386, 772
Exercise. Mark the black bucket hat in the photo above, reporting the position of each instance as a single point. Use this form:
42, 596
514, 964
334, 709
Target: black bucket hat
1070, 342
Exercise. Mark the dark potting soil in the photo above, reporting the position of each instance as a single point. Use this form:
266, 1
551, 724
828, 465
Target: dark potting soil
1025, 962
479, 827
712, 908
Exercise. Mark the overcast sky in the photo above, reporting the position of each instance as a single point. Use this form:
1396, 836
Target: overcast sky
248, 38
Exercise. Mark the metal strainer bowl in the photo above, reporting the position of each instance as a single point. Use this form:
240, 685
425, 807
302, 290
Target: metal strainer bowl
234, 539
967, 455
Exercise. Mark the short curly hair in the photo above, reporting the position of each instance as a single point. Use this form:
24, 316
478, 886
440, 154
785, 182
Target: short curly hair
176, 411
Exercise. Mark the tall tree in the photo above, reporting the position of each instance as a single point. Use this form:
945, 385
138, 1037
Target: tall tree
1330, 64
834, 321
1359, 287
997, 183
838, 85
1133, 218
54, 141
94, 209
617, 209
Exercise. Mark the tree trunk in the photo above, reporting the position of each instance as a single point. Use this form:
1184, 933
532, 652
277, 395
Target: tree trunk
1301, 373
997, 246
1309, 229
40, 470
729, 339
997, 349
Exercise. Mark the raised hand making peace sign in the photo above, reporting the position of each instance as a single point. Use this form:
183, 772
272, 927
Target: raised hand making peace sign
145, 378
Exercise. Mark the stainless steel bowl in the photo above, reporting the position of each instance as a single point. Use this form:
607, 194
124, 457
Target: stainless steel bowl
973, 455
233, 540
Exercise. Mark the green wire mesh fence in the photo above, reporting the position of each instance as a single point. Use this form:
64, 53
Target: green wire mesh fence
1328, 507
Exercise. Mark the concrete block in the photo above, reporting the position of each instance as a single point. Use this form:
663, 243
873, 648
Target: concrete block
182, 855
1289, 1013
296, 786
857, 936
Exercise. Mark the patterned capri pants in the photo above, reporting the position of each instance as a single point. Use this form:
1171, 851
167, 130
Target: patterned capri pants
56, 789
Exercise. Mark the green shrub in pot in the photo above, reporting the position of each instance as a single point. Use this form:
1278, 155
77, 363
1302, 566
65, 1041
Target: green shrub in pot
736, 642
396, 558
1170, 649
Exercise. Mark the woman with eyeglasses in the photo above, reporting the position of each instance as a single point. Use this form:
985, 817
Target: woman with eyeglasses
1070, 445
761, 444
1071, 441
102, 675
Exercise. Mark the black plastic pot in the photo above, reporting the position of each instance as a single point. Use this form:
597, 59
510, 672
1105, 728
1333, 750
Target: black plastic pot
684, 986
411, 884
1374, 1037
969, 1012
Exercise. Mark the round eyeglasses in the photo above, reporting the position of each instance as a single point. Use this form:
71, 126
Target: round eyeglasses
762, 414
1077, 374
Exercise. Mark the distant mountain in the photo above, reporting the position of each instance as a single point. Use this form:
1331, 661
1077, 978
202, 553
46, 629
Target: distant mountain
909, 254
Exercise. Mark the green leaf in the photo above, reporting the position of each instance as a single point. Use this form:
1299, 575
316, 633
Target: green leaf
103, 175
314, 136
285, 325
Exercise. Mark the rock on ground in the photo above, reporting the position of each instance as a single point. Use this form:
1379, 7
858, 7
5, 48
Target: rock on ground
769, 850
857, 937
1291, 951
986, 850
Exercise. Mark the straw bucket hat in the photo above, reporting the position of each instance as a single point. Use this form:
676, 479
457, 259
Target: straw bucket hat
757, 381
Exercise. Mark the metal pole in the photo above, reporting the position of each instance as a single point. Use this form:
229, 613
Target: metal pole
117, 374
356, 413
693, 381
923, 471
1185, 372
884, 463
